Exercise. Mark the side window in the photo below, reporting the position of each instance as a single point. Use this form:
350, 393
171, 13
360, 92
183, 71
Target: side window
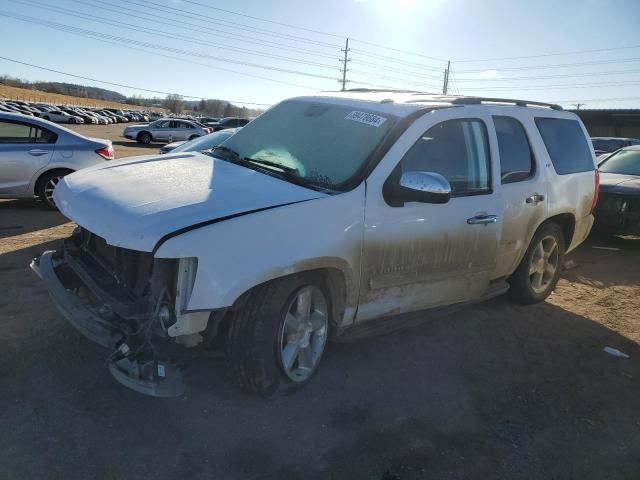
566, 144
456, 149
516, 158
164, 124
16, 133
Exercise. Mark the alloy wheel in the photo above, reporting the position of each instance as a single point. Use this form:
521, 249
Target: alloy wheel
303, 334
543, 264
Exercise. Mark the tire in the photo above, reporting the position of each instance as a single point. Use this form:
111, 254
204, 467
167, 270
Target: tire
46, 117
72, 120
257, 349
193, 137
534, 280
144, 138
46, 184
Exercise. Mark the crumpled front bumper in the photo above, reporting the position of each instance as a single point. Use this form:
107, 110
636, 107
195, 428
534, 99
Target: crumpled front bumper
96, 322
81, 314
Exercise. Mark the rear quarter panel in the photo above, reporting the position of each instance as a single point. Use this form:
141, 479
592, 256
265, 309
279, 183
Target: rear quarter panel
570, 193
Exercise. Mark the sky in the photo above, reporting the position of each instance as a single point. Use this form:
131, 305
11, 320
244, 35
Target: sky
557, 51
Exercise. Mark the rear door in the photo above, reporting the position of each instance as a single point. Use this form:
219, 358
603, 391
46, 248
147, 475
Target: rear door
523, 184
24, 150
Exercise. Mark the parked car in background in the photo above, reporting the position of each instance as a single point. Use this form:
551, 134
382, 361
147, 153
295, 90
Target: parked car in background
59, 116
618, 208
200, 144
35, 154
611, 144
165, 130
88, 119
230, 122
284, 238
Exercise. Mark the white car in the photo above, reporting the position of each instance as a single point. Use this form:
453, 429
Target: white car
59, 116
322, 215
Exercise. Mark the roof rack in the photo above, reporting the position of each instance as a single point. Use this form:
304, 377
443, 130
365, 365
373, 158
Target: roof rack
373, 90
520, 103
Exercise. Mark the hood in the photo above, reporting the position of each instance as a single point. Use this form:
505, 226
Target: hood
134, 203
619, 183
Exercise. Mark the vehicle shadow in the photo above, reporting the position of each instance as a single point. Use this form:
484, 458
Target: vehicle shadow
152, 145
494, 390
605, 261
22, 216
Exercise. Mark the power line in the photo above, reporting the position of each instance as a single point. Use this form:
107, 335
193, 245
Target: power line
40, 67
144, 15
596, 100
556, 87
396, 60
75, 30
562, 75
574, 52
396, 70
297, 27
537, 67
216, 21
129, 26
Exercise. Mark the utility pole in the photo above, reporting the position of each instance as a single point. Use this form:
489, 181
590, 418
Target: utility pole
344, 66
445, 85
578, 105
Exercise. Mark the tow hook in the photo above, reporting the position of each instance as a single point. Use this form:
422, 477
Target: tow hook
147, 376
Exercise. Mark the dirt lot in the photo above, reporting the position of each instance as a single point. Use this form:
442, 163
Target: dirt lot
493, 391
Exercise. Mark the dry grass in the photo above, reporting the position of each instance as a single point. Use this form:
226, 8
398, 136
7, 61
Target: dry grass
24, 94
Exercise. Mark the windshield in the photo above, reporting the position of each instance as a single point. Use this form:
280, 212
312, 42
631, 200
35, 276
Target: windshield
626, 162
204, 143
326, 144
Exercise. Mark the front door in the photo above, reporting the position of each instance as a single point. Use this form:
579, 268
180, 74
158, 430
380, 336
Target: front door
422, 255
162, 130
24, 150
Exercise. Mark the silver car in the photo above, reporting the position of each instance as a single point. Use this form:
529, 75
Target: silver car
165, 130
35, 154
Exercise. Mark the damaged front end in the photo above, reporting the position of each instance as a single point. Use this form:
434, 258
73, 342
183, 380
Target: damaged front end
128, 302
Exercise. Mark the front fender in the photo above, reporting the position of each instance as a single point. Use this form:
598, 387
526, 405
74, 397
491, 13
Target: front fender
238, 254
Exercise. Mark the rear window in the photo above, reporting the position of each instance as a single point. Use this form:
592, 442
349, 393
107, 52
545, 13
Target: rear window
567, 145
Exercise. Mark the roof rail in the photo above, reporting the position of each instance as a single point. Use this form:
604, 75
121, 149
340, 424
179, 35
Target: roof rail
520, 103
390, 90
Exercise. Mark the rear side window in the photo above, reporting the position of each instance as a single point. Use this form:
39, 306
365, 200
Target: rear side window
566, 144
516, 159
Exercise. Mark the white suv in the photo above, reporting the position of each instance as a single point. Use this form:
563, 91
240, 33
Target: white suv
323, 214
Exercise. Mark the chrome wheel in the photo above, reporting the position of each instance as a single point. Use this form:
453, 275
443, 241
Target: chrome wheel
544, 264
49, 187
303, 334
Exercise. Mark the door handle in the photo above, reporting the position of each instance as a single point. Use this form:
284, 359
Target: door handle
535, 199
482, 219
36, 152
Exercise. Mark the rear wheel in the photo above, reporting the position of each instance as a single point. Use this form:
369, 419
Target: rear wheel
275, 343
145, 138
46, 117
72, 120
193, 137
46, 184
540, 268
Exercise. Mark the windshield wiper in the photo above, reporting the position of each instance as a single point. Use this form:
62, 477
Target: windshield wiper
267, 163
226, 152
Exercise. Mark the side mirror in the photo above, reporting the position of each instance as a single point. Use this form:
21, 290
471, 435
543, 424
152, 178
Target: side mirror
426, 187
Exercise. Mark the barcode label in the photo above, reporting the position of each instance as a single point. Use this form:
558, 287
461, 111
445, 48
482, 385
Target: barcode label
367, 118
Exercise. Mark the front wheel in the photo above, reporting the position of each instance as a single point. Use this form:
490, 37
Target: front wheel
275, 343
540, 268
72, 120
193, 137
144, 138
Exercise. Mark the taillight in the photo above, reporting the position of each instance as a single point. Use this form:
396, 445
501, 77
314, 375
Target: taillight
106, 152
597, 192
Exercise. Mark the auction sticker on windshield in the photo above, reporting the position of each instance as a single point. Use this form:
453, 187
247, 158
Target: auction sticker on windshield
368, 118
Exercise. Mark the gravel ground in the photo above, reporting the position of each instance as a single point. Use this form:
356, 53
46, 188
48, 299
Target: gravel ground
492, 391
